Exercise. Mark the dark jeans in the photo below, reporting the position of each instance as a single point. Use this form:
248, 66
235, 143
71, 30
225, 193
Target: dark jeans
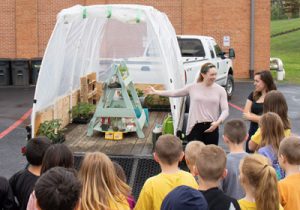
197, 133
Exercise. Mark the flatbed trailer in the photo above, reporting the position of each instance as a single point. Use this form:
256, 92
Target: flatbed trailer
78, 141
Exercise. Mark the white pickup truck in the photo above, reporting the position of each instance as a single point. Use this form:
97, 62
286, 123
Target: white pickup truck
198, 50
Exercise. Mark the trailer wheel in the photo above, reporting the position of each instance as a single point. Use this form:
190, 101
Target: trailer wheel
229, 87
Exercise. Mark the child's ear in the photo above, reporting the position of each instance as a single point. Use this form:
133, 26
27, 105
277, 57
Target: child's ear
155, 157
77, 207
181, 156
283, 158
195, 171
37, 205
187, 161
225, 172
225, 139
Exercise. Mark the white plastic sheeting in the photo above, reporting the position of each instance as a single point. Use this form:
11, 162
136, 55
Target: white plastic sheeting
89, 39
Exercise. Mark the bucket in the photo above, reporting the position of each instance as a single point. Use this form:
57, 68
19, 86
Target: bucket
157, 132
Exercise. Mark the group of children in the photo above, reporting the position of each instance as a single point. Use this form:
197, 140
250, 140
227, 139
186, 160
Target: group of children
268, 179
215, 181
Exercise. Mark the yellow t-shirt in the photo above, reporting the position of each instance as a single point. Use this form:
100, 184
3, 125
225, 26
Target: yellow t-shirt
157, 187
248, 205
256, 138
121, 205
289, 191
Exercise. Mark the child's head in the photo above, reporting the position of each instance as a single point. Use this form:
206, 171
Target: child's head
275, 102
257, 175
272, 131
57, 155
35, 150
100, 182
184, 197
168, 149
235, 131
211, 163
191, 151
58, 189
289, 151
120, 171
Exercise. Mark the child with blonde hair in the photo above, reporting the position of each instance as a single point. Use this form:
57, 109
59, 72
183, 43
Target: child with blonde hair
121, 174
190, 154
272, 132
101, 187
258, 178
289, 159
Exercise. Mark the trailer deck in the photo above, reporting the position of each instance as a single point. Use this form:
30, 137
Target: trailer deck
78, 141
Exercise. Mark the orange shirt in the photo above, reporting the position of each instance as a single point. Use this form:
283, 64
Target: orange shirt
289, 191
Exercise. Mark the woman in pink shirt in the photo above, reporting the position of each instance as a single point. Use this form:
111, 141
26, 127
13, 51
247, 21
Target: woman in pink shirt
206, 100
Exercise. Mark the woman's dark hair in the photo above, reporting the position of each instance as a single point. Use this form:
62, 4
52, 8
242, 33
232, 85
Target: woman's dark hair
204, 69
275, 102
268, 80
57, 155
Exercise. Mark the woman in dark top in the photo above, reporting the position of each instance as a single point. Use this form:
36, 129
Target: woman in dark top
263, 82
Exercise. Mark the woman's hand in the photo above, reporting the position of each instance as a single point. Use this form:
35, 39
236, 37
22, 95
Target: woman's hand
247, 115
212, 127
150, 90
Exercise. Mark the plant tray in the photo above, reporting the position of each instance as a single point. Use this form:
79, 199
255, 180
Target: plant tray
81, 120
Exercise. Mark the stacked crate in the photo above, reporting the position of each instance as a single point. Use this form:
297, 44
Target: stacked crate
88, 89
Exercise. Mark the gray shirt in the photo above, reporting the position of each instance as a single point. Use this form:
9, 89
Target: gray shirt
231, 184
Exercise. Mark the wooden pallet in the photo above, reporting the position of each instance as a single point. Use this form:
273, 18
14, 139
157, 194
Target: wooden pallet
89, 88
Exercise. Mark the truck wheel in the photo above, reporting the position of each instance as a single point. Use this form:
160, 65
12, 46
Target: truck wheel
229, 86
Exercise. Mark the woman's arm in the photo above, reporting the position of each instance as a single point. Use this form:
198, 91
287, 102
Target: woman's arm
224, 107
169, 93
252, 146
247, 114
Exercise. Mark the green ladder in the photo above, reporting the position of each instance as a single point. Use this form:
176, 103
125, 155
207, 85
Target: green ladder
123, 107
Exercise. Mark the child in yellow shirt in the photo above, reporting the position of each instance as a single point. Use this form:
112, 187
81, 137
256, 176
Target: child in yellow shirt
168, 152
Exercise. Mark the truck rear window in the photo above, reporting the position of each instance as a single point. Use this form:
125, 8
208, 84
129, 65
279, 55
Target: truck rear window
191, 47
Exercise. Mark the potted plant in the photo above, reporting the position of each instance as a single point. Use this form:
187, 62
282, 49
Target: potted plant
157, 103
141, 95
82, 113
53, 130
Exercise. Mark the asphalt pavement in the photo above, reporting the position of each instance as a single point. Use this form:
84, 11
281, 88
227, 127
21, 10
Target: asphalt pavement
16, 101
